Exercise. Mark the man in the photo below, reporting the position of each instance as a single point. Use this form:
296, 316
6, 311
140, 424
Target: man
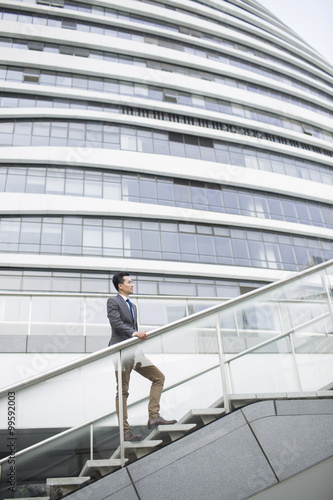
122, 315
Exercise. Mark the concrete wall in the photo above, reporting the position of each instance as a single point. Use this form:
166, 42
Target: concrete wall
235, 457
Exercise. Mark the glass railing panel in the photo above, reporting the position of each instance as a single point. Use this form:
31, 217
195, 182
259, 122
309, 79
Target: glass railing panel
201, 305
180, 354
14, 315
313, 351
268, 369
65, 400
154, 312
96, 322
64, 456
56, 315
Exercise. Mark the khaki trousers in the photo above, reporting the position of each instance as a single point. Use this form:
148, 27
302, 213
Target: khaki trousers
152, 373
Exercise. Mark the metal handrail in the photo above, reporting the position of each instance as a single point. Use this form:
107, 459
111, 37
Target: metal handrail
158, 331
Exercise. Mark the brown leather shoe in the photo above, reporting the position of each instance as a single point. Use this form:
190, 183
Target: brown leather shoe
129, 436
160, 421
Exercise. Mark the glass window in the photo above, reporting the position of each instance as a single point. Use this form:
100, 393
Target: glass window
112, 237
182, 191
165, 190
302, 256
30, 232
132, 239
15, 183
151, 240
199, 196
147, 188
35, 184
231, 201
246, 203
275, 208
72, 234
287, 253
93, 188
170, 242
223, 246
74, 187
206, 245
302, 211
289, 210
9, 231
240, 249
316, 214
92, 236
55, 185
51, 234
188, 243
214, 196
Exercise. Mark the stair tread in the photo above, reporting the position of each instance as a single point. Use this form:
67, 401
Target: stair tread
146, 443
99, 464
67, 481
169, 429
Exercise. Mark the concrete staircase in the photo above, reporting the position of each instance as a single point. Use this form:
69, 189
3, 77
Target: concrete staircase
161, 436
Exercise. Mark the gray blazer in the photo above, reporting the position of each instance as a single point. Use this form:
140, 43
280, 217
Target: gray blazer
121, 321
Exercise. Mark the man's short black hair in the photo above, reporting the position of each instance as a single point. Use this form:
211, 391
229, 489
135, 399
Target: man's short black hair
119, 278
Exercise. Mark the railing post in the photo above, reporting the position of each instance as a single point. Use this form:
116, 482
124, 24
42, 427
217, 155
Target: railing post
84, 316
222, 367
30, 315
91, 442
295, 362
329, 302
121, 411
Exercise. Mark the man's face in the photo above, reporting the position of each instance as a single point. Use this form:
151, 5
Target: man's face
127, 286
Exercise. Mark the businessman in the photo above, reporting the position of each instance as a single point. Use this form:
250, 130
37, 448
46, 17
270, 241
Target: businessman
122, 315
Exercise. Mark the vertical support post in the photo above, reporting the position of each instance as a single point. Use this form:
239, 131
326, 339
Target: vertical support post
121, 411
91, 441
30, 315
295, 362
228, 365
327, 291
84, 316
236, 324
222, 367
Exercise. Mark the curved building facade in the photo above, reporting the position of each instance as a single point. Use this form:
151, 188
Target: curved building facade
190, 143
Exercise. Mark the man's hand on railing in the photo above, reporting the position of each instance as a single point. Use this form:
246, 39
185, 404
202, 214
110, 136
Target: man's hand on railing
140, 335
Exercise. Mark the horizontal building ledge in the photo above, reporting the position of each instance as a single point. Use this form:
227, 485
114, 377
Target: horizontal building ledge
46, 205
62, 262
197, 87
170, 166
168, 126
158, 122
136, 49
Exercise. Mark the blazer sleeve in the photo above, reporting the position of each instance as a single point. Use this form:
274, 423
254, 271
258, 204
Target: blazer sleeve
117, 323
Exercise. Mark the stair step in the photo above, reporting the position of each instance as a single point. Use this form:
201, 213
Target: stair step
174, 431
103, 466
139, 448
61, 486
205, 415
67, 481
29, 498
